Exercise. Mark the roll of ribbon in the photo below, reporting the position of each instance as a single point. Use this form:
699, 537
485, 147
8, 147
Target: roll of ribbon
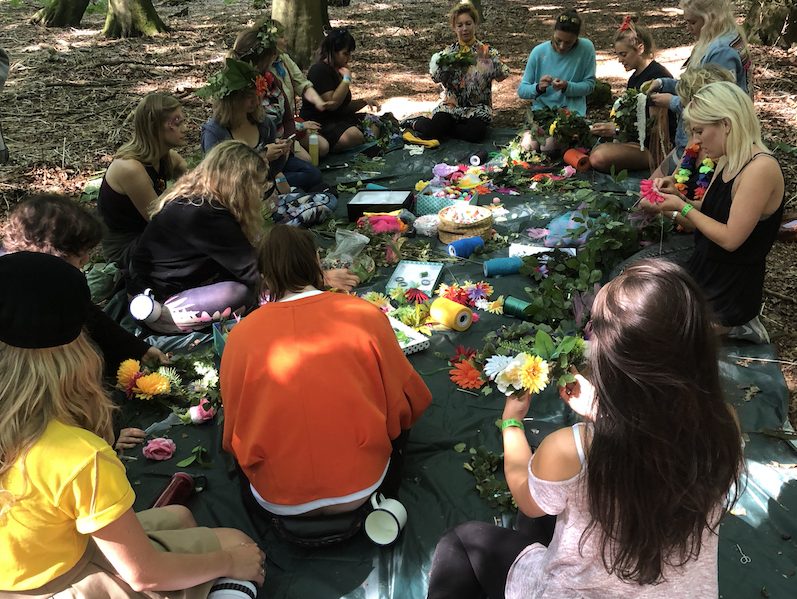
515, 307
478, 158
451, 314
577, 159
497, 267
463, 248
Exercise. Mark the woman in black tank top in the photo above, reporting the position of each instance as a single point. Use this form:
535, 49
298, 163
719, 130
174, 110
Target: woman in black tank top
737, 221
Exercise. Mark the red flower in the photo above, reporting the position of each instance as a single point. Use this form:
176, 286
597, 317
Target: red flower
466, 376
462, 353
415, 296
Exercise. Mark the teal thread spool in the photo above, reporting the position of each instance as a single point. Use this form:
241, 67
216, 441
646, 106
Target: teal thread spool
515, 307
497, 267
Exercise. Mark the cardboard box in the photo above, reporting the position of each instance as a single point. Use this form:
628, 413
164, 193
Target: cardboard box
377, 201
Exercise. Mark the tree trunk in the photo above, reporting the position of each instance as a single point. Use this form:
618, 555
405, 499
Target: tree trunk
304, 26
132, 18
61, 13
772, 22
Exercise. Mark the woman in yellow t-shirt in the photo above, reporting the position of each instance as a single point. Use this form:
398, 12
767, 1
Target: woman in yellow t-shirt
66, 518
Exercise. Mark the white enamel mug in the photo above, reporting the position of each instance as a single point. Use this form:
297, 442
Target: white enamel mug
386, 522
144, 307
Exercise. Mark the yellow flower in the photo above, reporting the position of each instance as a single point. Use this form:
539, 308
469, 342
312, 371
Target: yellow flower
380, 300
534, 374
150, 385
496, 307
420, 185
552, 128
127, 372
612, 114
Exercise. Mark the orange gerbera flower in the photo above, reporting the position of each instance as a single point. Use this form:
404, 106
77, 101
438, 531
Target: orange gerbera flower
466, 376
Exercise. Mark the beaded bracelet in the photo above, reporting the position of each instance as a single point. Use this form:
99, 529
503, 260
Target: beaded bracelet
510, 422
685, 210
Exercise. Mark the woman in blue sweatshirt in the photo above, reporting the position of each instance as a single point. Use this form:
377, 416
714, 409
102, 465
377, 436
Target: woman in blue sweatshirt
561, 73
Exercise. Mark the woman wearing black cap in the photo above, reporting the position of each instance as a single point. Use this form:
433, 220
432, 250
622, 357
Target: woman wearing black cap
65, 501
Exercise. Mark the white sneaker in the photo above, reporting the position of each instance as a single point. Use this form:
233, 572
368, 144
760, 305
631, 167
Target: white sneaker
753, 331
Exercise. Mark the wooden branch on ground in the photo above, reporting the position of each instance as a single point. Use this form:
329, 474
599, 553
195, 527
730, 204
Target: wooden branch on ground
779, 295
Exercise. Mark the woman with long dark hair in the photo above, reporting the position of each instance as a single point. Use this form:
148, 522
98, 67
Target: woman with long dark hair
331, 77
640, 488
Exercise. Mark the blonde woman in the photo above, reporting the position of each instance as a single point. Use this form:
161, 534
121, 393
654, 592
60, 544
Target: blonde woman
139, 172
68, 528
719, 41
737, 220
197, 253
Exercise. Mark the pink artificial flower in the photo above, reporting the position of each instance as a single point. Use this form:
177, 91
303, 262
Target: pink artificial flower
202, 412
159, 449
648, 191
568, 171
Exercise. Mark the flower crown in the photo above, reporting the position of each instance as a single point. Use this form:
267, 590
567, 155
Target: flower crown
236, 75
569, 19
267, 35
628, 23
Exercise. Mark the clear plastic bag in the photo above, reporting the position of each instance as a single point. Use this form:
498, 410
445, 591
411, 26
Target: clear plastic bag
347, 253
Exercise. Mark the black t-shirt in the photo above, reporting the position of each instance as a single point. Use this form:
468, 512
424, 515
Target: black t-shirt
653, 71
324, 79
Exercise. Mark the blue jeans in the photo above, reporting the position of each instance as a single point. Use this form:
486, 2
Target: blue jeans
302, 174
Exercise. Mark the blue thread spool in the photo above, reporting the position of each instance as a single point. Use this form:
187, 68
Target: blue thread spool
463, 248
497, 267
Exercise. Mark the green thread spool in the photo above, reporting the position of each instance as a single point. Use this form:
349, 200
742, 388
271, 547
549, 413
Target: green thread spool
515, 307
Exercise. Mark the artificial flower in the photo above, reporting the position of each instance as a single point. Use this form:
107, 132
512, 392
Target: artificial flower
647, 189
415, 296
495, 364
397, 293
421, 185
159, 449
482, 304
128, 372
466, 376
380, 300
552, 128
462, 353
442, 290
202, 412
150, 385
496, 307
171, 374
568, 171
534, 374
508, 380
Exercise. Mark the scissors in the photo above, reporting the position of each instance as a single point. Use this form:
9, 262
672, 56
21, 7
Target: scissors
744, 559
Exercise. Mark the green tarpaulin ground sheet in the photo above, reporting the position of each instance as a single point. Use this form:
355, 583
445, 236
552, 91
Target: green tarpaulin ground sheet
439, 493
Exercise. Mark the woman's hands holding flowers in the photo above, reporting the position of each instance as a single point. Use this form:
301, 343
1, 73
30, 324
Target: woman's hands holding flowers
517, 406
580, 396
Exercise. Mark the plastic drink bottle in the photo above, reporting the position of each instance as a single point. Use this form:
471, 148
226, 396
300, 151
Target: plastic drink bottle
313, 143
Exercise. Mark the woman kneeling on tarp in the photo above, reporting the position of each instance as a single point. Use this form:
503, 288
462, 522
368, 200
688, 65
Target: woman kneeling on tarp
67, 527
318, 396
737, 217
640, 489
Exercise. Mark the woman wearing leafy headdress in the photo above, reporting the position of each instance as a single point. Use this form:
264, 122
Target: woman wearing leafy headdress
252, 45
466, 69
238, 91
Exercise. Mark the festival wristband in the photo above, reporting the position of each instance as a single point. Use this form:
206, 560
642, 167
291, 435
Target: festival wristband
685, 210
346, 78
280, 179
510, 422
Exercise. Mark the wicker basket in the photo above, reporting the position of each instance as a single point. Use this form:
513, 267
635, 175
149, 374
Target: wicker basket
448, 230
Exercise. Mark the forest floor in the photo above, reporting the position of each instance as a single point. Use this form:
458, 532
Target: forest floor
65, 104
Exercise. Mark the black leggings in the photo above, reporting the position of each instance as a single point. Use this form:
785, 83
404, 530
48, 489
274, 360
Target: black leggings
472, 560
444, 125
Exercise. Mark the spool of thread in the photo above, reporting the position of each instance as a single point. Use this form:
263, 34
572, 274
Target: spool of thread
451, 314
515, 307
577, 159
312, 146
497, 267
463, 248
177, 492
478, 158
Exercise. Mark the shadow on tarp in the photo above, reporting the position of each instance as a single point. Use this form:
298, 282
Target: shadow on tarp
439, 493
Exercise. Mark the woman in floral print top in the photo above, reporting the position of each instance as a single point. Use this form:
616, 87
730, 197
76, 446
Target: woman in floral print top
466, 70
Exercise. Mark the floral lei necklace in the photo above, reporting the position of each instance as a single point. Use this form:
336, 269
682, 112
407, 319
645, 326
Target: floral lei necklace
684, 173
